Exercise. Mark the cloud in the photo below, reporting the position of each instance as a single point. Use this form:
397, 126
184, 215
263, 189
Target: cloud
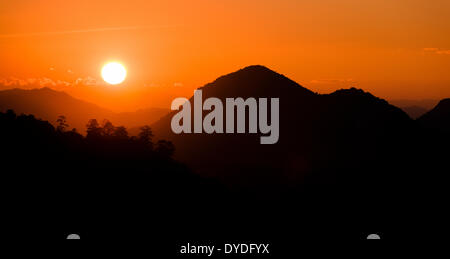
32, 82
12, 82
88, 81
443, 52
437, 51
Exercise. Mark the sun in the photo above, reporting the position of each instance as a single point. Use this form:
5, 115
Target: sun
114, 73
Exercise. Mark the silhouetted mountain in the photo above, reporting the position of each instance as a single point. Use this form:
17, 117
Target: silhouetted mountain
48, 104
314, 129
438, 118
432, 144
333, 149
253, 81
415, 112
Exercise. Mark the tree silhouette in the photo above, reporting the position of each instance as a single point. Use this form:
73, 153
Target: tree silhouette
107, 129
93, 128
61, 123
146, 135
10, 114
120, 132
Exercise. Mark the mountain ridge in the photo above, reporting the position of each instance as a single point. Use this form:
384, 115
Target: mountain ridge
437, 118
316, 131
48, 104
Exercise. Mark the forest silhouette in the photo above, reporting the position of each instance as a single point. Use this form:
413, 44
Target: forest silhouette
58, 180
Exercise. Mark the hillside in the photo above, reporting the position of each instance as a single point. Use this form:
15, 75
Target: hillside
48, 104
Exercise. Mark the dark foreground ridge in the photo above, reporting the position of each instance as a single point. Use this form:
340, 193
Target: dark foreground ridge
346, 163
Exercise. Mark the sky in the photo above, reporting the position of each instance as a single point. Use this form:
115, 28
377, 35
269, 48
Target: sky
394, 49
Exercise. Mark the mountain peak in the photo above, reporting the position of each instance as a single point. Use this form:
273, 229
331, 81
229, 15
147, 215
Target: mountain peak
355, 92
253, 71
444, 103
254, 81
256, 68
442, 109
438, 117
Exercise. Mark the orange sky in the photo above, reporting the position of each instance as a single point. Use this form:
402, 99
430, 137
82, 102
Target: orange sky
395, 49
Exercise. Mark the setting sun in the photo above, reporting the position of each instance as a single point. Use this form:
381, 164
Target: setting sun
114, 73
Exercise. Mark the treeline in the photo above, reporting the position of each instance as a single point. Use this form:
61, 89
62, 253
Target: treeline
57, 181
106, 153
108, 134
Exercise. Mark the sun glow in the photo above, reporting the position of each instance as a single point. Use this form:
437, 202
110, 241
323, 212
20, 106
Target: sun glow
114, 73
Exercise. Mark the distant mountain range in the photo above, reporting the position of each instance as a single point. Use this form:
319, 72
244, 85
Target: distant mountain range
48, 104
415, 112
415, 108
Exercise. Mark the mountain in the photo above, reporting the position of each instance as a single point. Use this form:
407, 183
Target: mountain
347, 136
48, 104
415, 108
438, 118
415, 111
134, 120
342, 157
